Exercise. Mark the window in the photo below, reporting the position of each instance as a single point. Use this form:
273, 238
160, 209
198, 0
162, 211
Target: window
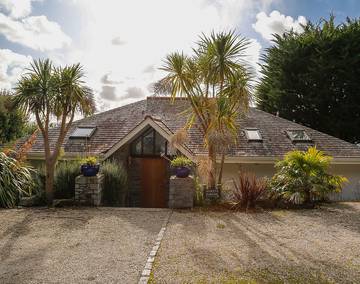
253, 134
83, 132
149, 143
298, 135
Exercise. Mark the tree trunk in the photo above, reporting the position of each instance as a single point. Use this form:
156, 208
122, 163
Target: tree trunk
212, 174
307, 197
221, 168
49, 183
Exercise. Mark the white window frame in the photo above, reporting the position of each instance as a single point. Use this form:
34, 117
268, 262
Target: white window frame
93, 128
306, 139
260, 139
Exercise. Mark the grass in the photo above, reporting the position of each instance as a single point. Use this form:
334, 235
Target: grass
220, 225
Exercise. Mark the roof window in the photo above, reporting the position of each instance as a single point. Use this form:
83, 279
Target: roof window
253, 134
83, 132
298, 135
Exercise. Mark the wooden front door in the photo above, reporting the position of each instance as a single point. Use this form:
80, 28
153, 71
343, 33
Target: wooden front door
154, 182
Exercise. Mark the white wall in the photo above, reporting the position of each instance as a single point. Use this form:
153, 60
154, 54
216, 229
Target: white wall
351, 190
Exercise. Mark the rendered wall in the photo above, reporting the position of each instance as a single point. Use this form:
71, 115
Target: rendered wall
351, 190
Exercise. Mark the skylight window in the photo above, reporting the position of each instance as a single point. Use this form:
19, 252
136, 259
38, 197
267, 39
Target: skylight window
253, 134
298, 135
83, 132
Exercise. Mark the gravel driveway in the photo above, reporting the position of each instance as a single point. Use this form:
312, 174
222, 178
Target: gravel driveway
300, 246
105, 245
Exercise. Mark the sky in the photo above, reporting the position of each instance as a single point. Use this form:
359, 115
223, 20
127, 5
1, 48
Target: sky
122, 43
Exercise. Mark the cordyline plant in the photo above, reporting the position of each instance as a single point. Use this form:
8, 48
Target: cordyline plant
49, 92
15, 180
216, 82
303, 176
248, 190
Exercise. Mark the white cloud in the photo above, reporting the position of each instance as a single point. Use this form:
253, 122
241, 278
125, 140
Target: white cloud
16, 8
108, 93
253, 56
108, 79
129, 39
36, 32
277, 23
134, 93
12, 66
149, 69
118, 41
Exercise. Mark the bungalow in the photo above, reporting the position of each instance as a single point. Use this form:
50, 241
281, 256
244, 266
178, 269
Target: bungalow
138, 134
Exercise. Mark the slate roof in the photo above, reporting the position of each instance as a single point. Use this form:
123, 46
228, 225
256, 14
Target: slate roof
113, 125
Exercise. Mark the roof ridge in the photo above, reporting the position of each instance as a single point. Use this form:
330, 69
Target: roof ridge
110, 110
165, 98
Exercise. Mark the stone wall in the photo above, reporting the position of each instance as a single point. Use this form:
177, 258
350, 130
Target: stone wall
89, 190
181, 192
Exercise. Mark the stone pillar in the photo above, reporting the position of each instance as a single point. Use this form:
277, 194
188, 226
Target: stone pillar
181, 192
88, 190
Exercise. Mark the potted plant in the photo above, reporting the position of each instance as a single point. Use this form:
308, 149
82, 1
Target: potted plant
89, 166
182, 166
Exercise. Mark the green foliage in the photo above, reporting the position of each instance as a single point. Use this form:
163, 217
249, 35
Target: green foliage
303, 176
199, 192
15, 180
48, 92
313, 78
115, 183
13, 122
248, 190
90, 161
64, 179
181, 161
216, 81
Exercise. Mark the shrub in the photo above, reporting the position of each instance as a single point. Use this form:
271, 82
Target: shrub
15, 180
181, 161
64, 179
115, 183
91, 161
199, 192
248, 191
302, 176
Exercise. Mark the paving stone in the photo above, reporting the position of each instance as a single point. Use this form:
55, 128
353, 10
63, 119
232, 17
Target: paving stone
144, 280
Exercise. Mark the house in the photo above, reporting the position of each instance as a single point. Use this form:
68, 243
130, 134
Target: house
138, 134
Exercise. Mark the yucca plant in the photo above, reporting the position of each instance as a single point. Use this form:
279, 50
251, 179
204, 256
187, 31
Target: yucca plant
15, 180
303, 176
64, 181
248, 190
115, 183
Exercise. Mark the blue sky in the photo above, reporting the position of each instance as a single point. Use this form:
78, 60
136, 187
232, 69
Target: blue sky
121, 44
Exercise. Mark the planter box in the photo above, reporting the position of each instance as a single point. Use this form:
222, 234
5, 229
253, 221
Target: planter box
90, 170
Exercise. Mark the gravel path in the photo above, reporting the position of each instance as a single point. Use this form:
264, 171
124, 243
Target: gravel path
301, 246
106, 245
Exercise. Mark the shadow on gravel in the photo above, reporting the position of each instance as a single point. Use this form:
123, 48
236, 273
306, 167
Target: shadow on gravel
15, 231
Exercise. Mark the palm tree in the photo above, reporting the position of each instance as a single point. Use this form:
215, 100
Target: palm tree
216, 82
304, 175
48, 93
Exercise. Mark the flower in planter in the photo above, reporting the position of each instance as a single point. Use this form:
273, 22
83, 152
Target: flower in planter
89, 166
182, 166
90, 161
